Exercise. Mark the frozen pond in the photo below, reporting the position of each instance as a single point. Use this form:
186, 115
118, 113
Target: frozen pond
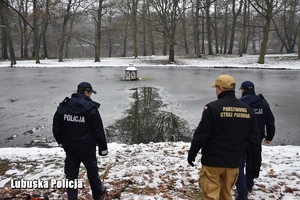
145, 121
30, 96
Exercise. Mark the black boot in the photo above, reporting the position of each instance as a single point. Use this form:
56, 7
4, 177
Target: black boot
240, 197
104, 191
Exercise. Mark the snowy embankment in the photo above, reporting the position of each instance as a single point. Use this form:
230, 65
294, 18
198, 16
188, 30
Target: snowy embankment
272, 61
143, 171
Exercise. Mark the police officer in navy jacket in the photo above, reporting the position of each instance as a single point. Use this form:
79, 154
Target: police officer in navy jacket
78, 128
266, 125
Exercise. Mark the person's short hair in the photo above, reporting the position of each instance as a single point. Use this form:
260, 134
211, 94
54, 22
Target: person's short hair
85, 86
225, 81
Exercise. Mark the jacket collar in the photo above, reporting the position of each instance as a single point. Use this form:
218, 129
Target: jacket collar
248, 92
227, 94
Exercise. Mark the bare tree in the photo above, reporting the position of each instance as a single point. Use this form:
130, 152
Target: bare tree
6, 26
150, 28
235, 14
144, 26
125, 39
98, 31
215, 27
4, 53
288, 25
196, 29
225, 29
299, 45
110, 31
27, 33
69, 37
184, 29
168, 12
36, 32
205, 10
208, 26
132, 5
63, 31
267, 9
45, 25
242, 46
144, 29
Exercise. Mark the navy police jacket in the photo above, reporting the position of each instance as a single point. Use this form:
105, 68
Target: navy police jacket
77, 125
226, 125
264, 116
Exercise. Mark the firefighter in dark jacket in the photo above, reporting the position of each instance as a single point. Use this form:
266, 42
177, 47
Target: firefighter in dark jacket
78, 128
226, 125
265, 121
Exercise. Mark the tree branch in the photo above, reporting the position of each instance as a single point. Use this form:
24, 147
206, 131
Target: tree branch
18, 13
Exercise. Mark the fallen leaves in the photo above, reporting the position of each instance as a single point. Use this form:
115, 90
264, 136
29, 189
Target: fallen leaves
271, 172
153, 171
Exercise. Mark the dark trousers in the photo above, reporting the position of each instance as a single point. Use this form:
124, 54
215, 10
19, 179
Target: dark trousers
245, 182
72, 164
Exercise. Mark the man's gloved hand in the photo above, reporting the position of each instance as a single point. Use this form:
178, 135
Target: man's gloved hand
191, 160
103, 152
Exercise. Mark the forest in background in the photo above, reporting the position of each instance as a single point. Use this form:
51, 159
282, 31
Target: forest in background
60, 29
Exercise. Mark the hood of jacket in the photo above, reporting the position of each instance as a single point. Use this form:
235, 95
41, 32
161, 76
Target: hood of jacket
252, 99
80, 103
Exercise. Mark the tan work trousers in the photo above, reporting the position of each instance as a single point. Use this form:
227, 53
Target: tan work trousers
216, 182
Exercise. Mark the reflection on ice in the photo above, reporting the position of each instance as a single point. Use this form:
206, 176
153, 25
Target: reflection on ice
145, 123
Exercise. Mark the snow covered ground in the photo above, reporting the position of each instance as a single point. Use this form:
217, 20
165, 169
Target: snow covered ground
154, 170
272, 61
145, 171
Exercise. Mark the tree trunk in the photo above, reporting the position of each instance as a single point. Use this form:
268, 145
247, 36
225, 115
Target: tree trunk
144, 31
125, 40
98, 32
216, 29
171, 54
208, 27
10, 46
63, 32
299, 45
26, 40
244, 32
203, 33
165, 47
268, 17
6, 26
36, 33
44, 30
197, 37
4, 53
110, 30
110, 46
267, 14
21, 30
132, 5
225, 31
261, 59
233, 28
151, 40
27, 33
184, 29
68, 40
134, 35
172, 30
